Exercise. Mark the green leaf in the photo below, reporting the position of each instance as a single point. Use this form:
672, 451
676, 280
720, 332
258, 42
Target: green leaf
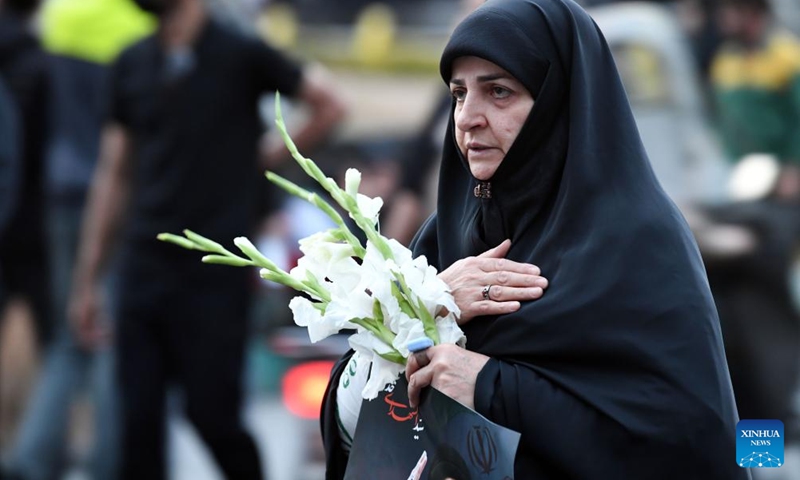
321, 306
377, 312
428, 323
393, 356
405, 306
378, 329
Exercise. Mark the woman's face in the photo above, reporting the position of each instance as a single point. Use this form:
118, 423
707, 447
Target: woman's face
491, 107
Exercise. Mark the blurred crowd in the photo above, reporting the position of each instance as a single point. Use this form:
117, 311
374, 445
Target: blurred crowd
121, 119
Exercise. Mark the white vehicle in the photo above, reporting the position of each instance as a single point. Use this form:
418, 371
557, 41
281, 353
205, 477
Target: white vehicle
665, 92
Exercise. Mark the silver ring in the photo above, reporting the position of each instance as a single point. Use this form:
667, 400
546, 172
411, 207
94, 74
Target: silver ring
485, 292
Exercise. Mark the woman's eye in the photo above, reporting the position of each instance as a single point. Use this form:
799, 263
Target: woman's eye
500, 92
459, 94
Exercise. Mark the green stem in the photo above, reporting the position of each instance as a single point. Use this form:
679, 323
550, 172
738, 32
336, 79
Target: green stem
177, 240
420, 312
247, 247
287, 280
318, 202
376, 328
232, 261
204, 243
405, 305
373, 236
306, 195
312, 283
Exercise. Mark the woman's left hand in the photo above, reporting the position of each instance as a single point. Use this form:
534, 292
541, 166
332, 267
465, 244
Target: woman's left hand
449, 368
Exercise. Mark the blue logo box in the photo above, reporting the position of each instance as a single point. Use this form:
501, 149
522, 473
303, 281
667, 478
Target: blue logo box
759, 443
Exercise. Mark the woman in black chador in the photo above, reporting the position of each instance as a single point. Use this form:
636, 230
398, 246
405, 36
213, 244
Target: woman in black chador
618, 370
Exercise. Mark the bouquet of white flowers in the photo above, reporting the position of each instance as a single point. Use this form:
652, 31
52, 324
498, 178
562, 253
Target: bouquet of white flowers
377, 289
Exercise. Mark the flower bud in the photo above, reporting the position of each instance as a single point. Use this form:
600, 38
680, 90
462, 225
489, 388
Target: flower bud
352, 180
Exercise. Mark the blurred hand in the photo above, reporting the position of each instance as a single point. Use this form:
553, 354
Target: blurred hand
87, 318
449, 368
273, 152
788, 186
509, 283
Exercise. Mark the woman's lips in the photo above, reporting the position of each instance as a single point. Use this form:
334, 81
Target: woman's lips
479, 150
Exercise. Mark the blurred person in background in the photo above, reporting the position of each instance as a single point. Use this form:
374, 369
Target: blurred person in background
9, 164
417, 160
179, 150
23, 252
699, 22
82, 37
755, 78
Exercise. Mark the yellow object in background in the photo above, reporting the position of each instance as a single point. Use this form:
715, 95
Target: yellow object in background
93, 30
374, 34
278, 24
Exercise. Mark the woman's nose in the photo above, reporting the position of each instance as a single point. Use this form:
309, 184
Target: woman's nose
470, 115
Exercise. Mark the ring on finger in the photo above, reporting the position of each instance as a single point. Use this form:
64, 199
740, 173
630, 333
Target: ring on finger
422, 358
485, 292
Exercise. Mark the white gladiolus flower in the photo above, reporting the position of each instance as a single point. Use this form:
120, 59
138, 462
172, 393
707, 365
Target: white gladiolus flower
370, 207
422, 279
449, 331
328, 260
383, 372
355, 289
376, 275
316, 238
344, 308
407, 329
400, 253
352, 180
350, 285
325, 248
306, 315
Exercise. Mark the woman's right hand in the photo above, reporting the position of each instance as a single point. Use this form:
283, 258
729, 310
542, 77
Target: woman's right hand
490, 284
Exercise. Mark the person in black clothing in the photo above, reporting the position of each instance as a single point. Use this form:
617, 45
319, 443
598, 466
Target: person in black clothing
23, 246
68, 372
757, 308
9, 164
180, 150
543, 163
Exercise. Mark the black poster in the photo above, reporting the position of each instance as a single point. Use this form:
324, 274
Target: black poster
440, 440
